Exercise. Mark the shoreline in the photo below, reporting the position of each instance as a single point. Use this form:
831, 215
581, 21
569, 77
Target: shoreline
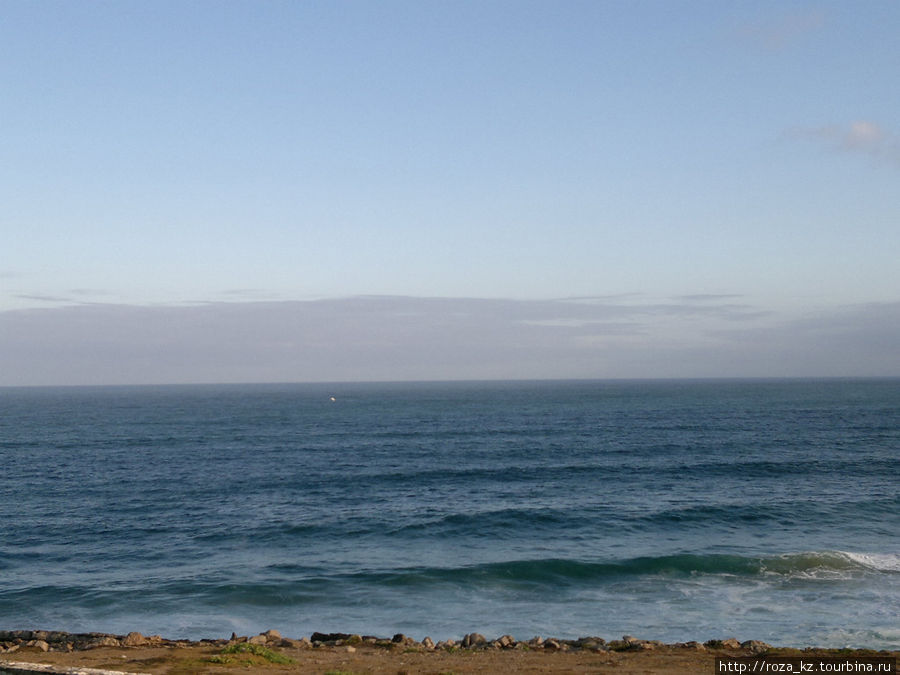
33, 651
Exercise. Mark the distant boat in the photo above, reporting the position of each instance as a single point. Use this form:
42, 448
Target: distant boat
333, 399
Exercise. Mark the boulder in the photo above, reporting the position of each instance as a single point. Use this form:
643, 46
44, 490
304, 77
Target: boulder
272, 635
134, 639
473, 640
428, 643
258, 640
328, 637
756, 646
590, 643
693, 644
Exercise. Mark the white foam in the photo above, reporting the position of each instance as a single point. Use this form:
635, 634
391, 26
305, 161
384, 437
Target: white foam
883, 562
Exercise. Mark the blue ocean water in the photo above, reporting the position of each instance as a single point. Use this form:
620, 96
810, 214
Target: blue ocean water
675, 510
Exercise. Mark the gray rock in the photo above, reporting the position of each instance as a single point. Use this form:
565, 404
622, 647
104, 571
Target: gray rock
258, 640
755, 646
473, 640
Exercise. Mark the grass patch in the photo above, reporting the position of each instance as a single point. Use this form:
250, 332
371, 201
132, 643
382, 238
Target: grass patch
242, 653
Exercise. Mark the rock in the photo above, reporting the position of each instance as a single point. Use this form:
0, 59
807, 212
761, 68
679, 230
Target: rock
536, 641
258, 640
756, 646
552, 645
328, 637
302, 643
103, 641
134, 639
629, 639
40, 644
428, 643
473, 640
350, 649
506, 641
693, 644
731, 643
272, 635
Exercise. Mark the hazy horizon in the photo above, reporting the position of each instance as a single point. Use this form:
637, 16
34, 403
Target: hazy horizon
432, 339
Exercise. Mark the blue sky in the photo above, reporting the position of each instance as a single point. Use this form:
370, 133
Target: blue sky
160, 155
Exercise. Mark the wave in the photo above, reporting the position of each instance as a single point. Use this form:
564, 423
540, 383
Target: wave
823, 564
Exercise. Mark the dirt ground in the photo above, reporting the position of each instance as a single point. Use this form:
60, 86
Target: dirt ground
195, 659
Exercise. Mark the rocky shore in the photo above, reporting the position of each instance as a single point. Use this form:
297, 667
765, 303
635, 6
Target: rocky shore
58, 641
33, 651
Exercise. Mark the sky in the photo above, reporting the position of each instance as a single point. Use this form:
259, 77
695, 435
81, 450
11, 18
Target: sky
202, 191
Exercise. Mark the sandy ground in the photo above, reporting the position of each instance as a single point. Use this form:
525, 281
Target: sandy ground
191, 659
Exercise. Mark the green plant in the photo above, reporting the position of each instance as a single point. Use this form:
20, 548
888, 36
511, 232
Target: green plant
231, 651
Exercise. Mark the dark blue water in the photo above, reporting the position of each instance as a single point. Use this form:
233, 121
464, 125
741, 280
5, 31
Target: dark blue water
668, 510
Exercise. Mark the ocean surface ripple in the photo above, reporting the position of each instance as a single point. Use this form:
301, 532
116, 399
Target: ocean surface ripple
671, 510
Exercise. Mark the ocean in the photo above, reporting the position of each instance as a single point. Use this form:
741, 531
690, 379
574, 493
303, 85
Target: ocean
669, 510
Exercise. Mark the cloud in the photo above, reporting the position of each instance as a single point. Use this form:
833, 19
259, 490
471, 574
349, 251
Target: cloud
860, 137
707, 297
40, 297
409, 338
